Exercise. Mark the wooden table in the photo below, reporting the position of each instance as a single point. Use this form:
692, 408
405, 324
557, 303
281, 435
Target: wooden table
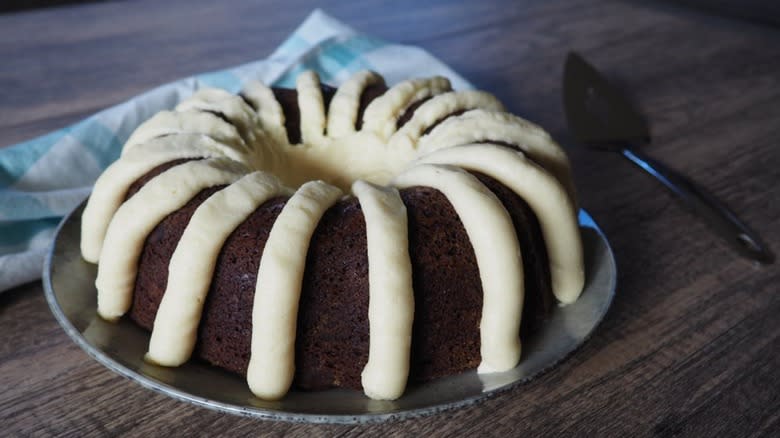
691, 343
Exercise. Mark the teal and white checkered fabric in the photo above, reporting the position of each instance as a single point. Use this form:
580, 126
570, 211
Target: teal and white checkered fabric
43, 179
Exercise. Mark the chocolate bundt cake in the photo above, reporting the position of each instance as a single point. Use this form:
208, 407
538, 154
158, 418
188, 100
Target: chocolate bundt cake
404, 234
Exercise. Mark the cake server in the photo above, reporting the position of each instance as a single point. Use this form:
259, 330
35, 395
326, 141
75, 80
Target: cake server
600, 116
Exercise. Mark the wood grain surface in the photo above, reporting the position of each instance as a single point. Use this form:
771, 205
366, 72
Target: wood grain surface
691, 346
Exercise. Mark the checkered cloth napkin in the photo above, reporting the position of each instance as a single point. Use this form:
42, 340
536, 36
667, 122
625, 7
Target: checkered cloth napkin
43, 179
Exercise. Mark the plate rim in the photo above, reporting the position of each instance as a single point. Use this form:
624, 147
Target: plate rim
102, 357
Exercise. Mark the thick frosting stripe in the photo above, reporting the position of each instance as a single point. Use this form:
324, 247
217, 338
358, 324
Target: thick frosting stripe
391, 298
186, 122
548, 199
497, 251
383, 112
479, 125
343, 111
182, 141
269, 111
437, 109
312, 108
232, 107
127, 232
279, 278
193, 262
112, 185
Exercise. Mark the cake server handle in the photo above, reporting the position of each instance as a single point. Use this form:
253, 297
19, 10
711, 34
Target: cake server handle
706, 206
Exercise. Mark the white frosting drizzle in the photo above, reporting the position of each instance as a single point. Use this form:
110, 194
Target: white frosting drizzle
497, 251
481, 125
382, 113
376, 153
312, 108
275, 309
229, 105
547, 198
438, 108
269, 112
112, 185
343, 111
391, 299
193, 262
128, 229
186, 122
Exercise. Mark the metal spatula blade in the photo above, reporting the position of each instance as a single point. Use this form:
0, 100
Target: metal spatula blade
599, 115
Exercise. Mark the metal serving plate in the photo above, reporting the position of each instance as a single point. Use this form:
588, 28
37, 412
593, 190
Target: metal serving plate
70, 291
